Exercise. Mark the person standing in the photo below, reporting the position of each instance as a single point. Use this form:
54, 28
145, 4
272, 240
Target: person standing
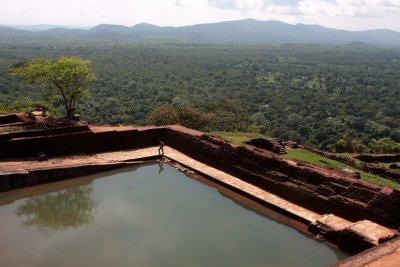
161, 148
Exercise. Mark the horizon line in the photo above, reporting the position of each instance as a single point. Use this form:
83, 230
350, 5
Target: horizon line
88, 27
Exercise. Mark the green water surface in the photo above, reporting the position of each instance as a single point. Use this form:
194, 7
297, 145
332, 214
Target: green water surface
145, 216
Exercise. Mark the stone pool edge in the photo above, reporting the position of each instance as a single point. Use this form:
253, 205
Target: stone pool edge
298, 182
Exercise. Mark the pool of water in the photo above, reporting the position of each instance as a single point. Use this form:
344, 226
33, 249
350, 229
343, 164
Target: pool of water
150, 215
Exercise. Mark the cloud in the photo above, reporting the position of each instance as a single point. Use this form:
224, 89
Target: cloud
251, 4
350, 14
283, 7
106, 15
223, 4
294, 3
179, 3
283, 10
235, 4
391, 3
339, 8
349, 8
287, 7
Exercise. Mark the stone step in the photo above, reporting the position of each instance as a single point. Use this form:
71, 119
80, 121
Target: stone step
353, 237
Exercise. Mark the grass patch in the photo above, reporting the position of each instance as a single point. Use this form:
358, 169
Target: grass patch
350, 156
239, 138
310, 157
318, 160
381, 164
386, 166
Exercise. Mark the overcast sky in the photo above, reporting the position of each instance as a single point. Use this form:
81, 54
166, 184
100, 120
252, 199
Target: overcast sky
341, 14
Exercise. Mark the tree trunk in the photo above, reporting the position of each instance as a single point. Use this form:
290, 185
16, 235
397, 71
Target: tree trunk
68, 118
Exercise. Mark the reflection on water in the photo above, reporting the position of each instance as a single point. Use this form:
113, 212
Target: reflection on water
160, 165
68, 208
150, 216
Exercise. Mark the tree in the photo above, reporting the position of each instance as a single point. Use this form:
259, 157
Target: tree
348, 144
233, 115
384, 145
195, 119
68, 76
185, 116
163, 115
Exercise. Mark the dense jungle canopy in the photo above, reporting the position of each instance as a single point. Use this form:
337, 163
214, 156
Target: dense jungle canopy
313, 94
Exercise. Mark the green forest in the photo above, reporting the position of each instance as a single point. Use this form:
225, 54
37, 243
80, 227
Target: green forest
328, 96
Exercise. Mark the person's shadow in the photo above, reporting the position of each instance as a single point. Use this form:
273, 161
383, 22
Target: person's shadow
160, 166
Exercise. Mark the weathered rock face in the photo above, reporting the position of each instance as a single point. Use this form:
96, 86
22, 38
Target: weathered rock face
309, 186
75, 141
9, 118
315, 188
381, 255
35, 177
389, 174
15, 119
352, 237
271, 144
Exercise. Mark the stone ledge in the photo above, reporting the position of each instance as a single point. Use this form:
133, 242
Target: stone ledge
384, 255
349, 236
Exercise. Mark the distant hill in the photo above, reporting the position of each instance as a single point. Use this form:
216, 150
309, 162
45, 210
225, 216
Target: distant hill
245, 31
41, 27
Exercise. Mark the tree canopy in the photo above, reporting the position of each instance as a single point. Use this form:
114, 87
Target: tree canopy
311, 94
68, 76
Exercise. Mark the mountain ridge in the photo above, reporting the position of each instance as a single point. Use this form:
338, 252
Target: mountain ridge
244, 31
